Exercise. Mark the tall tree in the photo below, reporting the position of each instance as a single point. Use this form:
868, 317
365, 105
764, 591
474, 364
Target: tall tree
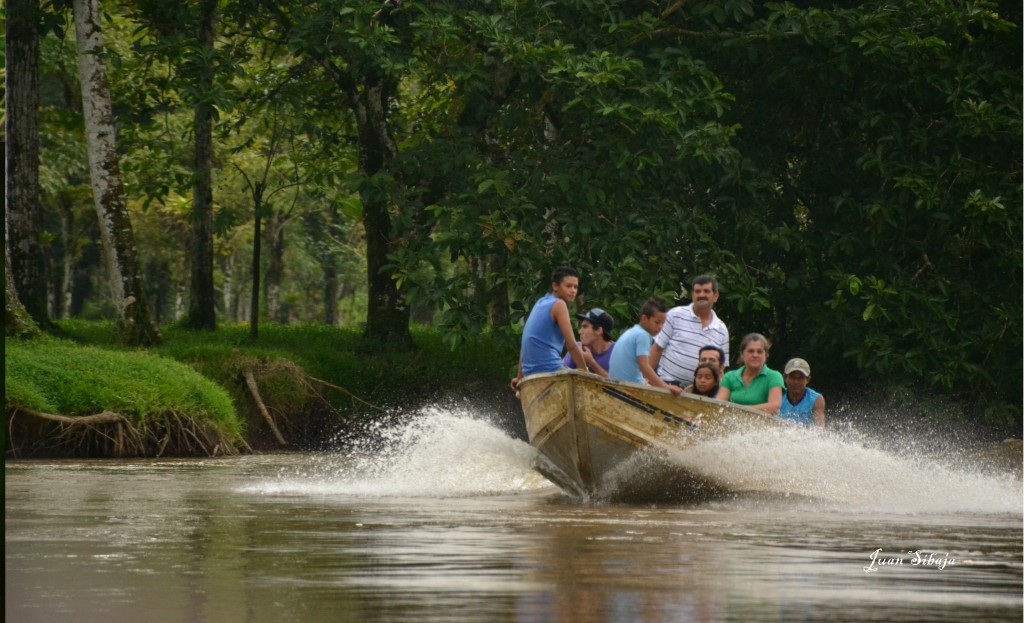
202, 306
362, 58
123, 264
21, 199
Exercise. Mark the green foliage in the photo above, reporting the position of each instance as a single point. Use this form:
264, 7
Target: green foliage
850, 172
58, 376
893, 157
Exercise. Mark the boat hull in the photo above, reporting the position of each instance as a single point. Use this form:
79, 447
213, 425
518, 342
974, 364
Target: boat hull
586, 428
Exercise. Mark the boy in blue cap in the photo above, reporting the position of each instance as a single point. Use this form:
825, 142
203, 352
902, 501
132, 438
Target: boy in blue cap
595, 341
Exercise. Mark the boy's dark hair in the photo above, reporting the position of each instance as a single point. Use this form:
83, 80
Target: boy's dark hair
562, 272
652, 306
705, 279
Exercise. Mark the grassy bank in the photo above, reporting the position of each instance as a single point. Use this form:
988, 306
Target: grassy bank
66, 398
296, 386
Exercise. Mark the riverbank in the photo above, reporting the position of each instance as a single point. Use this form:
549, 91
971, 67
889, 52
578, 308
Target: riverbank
210, 393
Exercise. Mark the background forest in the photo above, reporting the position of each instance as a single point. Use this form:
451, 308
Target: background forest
849, 171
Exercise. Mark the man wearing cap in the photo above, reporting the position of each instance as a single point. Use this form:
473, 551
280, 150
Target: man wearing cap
595, 340
799, 402
676, 350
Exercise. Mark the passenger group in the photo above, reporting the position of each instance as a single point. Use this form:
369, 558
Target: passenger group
684, 350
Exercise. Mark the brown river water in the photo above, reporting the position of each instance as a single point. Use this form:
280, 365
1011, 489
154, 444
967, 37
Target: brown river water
443, 519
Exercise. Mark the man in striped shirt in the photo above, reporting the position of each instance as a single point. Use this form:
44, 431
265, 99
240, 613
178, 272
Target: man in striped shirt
687, 329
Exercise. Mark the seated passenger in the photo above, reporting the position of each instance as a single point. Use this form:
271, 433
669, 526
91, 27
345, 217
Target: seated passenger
595, 341
705, 381
712, 354
799, 402
631, 359
754, 384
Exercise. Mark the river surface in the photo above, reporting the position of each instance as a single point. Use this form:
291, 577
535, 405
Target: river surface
442, 518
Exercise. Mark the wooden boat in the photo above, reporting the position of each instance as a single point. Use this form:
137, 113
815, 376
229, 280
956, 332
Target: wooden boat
586, 427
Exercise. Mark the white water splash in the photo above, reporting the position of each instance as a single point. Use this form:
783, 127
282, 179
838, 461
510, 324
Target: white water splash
444, 452
846, 470
435, 453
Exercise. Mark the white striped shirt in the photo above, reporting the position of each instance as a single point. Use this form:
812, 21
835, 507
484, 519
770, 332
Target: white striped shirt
681, 339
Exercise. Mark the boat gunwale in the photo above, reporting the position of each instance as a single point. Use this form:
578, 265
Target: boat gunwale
594, 378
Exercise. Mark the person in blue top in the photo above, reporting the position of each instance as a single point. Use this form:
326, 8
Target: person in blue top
754, 384
799, 402
631, 358
595, 341
548, 329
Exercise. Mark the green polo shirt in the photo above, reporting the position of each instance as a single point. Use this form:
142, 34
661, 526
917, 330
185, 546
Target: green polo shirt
755, 393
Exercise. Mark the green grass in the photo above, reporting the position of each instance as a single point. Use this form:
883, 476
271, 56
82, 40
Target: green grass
338, 355
201, 376
59, 376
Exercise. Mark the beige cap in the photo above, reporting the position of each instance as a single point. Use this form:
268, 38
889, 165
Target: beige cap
798, 365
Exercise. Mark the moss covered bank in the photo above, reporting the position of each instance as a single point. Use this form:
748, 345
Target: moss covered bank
214, 393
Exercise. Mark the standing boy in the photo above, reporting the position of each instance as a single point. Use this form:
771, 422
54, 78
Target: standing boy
548, 329
631, 357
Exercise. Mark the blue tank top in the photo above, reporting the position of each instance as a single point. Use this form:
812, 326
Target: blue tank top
542, 339
801, 412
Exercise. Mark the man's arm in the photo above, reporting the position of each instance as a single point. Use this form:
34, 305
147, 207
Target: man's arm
519, 376
819, 412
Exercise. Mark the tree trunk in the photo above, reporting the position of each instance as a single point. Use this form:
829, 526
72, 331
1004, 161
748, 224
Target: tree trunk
23, 213
16, 319
254, 304
227, 290
202, 306
387, 314
62, 304
123, 264
134, 323
275, 269
330, 267
161, 284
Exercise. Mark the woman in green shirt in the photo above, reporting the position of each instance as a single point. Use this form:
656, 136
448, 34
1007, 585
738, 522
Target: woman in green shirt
754, 384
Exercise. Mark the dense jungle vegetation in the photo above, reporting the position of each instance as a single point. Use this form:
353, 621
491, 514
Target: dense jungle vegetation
849, 171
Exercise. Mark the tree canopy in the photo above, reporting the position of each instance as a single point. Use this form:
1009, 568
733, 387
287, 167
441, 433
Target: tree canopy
850, 172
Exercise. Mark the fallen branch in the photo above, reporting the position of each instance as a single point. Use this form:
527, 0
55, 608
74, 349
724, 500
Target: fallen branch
250, 381
346, 392
10, 434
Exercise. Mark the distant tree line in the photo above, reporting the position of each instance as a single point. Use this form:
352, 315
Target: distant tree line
850, 172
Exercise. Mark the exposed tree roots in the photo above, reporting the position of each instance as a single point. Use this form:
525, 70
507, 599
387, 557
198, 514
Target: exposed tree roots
280, 404
110, 434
